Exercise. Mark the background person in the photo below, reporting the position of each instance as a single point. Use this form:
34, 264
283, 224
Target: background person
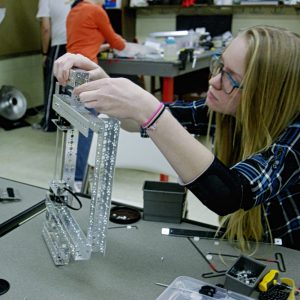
52, 15
253, 178
89, 31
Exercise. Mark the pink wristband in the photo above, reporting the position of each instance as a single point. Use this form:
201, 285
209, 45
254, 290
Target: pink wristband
157, 111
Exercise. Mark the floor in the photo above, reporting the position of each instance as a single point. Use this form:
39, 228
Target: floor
28, 155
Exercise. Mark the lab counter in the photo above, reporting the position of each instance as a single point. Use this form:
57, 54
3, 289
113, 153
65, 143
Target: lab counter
153, 67
136, 258
160, 68
31, 199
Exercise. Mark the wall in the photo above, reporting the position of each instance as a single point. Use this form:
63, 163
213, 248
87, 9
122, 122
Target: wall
20, 64
291, 22
153, 23
147, 23
19, 31
26, 74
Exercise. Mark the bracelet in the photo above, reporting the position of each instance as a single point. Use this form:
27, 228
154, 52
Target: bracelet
151, 123
154, 117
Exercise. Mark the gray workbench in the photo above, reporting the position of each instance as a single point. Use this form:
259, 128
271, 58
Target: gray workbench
135, 259
167, 70
152, 67
30, 195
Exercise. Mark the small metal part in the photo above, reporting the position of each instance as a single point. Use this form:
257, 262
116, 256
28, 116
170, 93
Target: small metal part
161, 284
209, 257
124, 226
194, 62
77, 77
279, 261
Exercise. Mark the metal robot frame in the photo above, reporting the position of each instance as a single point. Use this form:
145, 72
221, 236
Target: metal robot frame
63, 235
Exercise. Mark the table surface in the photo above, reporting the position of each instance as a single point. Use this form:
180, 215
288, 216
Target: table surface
30, 195
159, 68
135, 259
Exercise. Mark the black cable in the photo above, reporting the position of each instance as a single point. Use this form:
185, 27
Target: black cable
280, 262
213, 268
74, 195
212, 274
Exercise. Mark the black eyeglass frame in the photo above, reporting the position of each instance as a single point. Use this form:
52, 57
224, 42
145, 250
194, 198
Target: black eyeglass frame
215, 70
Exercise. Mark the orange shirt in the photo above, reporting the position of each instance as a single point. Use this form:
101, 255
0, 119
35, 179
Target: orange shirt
88, 27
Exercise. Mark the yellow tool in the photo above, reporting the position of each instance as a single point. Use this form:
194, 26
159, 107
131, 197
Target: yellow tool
290, 283
269, 280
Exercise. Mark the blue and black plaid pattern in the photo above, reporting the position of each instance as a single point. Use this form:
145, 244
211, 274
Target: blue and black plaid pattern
274, 177
273, 174
191, 115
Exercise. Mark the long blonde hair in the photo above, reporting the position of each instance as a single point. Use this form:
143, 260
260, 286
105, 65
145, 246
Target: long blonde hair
270, 100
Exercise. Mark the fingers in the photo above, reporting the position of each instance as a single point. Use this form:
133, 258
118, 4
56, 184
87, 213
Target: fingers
62, 67
89, 96
90, 93
97, 73
63, 64
117, 97
101, 95
101, 102
92, 104
89, 86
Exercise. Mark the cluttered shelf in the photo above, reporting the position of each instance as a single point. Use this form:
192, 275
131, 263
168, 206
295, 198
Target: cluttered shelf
205, 9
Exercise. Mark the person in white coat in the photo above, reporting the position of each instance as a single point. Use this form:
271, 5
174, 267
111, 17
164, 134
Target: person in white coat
52, 15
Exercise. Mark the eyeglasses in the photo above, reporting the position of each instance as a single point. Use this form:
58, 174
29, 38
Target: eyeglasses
227, 82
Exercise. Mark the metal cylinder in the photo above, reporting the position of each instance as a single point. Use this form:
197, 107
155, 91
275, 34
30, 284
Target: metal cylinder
13, 103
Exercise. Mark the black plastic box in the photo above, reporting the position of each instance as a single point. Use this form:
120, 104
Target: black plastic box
237, 283
164, 201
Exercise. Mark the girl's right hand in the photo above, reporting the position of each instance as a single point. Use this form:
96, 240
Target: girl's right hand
119, 98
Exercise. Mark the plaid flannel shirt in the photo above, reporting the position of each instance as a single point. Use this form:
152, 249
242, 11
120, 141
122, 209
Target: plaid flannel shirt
273, 174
